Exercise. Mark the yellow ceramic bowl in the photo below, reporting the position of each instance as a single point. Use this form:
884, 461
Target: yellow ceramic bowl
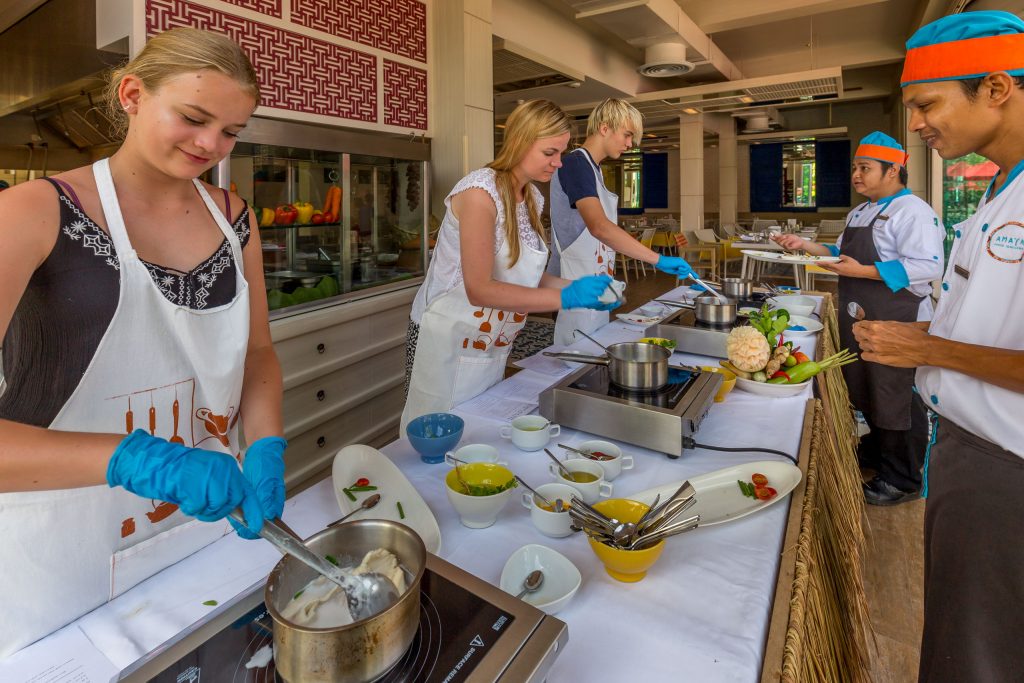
477, 512
669, 344
625, 565
728, 381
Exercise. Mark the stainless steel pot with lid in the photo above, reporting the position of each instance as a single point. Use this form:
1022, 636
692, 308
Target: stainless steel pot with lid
359, 652
631, 365
737, 287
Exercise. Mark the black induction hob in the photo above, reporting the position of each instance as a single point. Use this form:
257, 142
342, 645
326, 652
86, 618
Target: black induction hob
470, 632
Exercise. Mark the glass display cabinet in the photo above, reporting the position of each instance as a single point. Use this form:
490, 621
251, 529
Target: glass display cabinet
332, 224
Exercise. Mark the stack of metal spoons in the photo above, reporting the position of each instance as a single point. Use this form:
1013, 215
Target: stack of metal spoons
658, 523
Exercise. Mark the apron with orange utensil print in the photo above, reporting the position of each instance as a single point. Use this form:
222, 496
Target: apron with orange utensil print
179, 371
462, 348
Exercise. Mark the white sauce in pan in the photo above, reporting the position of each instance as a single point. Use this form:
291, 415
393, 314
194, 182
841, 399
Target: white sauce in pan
322, 603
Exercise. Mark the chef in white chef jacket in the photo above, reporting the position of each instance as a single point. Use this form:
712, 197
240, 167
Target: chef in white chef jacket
890, 253
487, 270
585, 235
963, 85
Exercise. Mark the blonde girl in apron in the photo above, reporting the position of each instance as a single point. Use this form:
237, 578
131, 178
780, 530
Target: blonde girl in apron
96, 346
487, 271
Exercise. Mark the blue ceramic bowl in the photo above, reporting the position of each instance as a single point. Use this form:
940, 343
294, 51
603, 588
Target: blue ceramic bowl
434, 434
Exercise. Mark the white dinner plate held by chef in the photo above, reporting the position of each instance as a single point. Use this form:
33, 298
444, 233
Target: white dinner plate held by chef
358, 461
719, 498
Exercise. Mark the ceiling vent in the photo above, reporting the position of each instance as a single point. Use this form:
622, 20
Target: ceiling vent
760, 119
664, 60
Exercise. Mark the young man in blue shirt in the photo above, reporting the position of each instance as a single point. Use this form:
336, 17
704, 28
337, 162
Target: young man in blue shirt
585, 235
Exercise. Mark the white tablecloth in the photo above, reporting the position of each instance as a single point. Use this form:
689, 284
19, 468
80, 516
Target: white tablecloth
701, 614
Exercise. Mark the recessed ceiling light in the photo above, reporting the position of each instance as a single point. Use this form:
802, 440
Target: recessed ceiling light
690, 110
747, 99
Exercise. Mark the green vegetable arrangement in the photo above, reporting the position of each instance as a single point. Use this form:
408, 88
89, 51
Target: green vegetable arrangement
802, 372
770, 322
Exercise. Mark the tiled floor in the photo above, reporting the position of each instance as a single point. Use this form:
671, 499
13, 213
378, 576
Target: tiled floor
894, 561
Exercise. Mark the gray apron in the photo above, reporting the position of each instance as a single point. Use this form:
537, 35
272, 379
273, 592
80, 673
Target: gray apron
881, 392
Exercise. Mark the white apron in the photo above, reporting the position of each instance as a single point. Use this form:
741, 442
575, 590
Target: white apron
173, 371
462, 348
587, 255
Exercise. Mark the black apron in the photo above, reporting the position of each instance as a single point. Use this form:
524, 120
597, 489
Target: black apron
883, 393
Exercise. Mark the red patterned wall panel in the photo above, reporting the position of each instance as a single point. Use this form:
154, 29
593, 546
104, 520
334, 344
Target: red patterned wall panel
405, 95
268, 7
296, 72
395, 26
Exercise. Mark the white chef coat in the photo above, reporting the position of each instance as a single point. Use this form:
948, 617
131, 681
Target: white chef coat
909, 241
985, 308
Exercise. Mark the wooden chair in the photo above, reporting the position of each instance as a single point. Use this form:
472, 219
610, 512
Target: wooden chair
623, 262
724, 255
687, 244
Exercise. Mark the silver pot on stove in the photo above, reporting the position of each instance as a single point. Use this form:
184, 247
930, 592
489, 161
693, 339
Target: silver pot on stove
631, 365
708, 309
362, 651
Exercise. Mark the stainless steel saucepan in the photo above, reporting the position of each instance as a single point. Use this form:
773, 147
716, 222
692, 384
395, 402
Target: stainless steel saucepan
708, 309
631, 365
737, 287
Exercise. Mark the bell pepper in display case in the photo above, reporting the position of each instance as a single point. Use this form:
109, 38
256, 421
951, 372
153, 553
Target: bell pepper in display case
317, 218
266, 217
304, 212
285, 215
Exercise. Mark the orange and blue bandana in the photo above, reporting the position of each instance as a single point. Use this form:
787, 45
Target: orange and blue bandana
881, 147
967, 45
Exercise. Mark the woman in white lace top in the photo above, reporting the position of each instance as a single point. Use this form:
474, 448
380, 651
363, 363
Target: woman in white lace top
487, 270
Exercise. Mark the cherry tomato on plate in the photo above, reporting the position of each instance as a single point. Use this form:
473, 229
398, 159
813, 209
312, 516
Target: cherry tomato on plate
363, 481
759, 479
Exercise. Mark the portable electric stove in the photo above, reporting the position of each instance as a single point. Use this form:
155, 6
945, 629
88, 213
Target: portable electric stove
470, 632
703, 339
587, 400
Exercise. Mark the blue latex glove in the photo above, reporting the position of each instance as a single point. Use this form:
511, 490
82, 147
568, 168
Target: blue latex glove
674, 266
205, 484
586, 292
264, 468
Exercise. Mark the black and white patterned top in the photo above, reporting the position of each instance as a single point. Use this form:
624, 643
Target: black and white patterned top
71, 299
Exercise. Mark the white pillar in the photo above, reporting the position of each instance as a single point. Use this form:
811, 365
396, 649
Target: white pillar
728, 175
691, 171
462, 98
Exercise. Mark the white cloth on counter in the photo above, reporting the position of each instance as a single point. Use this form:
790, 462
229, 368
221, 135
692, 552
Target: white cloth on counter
703, 609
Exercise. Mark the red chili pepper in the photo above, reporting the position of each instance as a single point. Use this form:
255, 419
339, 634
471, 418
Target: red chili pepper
780, 373
362, 481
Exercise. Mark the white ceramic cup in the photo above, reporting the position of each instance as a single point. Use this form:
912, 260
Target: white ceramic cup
590, 491
612, 468
549, 523
473, 452
528, 432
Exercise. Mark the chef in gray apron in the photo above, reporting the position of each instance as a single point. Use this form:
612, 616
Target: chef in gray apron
963, 86
890, 251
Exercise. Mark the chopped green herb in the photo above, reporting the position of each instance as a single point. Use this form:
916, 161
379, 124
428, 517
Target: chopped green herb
298, 594
210, 603
488, 489
349, 494
401, 512
332, 560
747, 489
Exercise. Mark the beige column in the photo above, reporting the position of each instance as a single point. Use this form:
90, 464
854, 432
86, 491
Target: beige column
728, 178
461, 98
691, 171
919, 163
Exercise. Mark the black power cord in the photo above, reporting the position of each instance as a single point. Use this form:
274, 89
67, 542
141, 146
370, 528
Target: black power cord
688, 442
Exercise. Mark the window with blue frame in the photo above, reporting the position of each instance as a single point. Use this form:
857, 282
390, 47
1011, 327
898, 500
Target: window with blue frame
799, 176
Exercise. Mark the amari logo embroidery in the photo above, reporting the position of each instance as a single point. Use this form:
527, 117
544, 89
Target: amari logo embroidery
1006, 243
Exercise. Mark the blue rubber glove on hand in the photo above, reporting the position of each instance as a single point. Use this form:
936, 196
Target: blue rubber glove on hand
205, 484
673, 265
264, 468
586, 292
